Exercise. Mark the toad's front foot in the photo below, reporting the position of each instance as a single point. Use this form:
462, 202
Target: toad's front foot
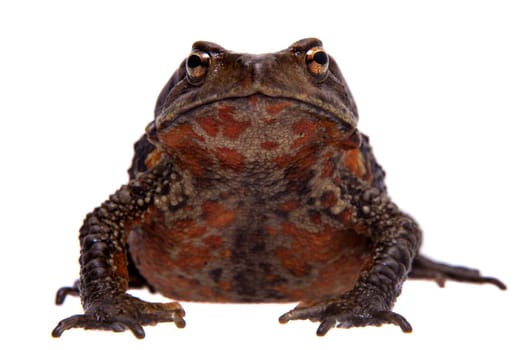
123, 312
345, 313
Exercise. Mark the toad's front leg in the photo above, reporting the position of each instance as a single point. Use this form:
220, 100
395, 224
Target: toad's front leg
104, 272
396, 238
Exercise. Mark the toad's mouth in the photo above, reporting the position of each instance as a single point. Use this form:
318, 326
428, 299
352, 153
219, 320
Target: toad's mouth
331, 110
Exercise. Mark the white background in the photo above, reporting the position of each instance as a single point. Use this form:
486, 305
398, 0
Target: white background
440, 87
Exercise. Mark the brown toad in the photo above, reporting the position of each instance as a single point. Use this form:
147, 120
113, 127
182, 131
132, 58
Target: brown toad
252, 184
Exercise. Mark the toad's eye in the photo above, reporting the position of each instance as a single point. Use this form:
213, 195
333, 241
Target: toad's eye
317, 62
197, 65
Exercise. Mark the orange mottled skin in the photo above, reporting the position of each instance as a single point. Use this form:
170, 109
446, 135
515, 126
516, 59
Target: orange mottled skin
252, 184
285, 248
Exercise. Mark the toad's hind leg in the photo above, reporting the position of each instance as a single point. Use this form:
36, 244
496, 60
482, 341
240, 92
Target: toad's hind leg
425, 268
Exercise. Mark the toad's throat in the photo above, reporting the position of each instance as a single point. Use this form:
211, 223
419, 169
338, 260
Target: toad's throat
252, 134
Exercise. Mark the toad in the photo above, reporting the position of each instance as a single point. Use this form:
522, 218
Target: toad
252, 184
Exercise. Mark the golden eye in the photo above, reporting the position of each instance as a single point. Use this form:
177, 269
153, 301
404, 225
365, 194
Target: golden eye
317, 62
197, 65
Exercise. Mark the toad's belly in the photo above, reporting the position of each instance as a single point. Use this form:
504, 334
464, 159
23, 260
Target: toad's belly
229, 256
